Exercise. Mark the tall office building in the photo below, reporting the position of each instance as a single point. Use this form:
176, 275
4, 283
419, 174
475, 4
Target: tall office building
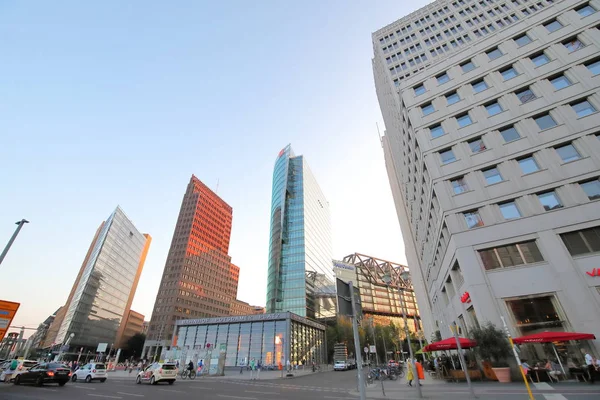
199, 279
493, 155
101, 297
300, 241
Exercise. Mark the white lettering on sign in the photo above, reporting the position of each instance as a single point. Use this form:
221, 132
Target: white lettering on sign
343, 265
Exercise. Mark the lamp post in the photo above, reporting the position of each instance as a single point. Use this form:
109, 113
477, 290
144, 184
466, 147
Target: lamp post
387, 278
13, 237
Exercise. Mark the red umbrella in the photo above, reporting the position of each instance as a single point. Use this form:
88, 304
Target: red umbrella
547, 337
450, 344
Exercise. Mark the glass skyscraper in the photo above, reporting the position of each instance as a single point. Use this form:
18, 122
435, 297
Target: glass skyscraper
103, 291
299, 272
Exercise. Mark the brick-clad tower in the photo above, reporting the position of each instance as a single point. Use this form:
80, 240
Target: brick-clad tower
199, 279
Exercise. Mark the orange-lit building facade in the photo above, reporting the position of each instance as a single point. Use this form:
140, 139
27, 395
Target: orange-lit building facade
199, 280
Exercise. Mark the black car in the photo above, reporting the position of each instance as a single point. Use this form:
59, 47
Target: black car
45, 373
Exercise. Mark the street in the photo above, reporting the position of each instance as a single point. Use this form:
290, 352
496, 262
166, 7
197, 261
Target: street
327, 386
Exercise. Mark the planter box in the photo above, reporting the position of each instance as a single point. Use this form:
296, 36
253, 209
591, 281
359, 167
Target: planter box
459, 374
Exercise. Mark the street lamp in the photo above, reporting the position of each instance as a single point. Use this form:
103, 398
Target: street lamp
13, 237
387, 278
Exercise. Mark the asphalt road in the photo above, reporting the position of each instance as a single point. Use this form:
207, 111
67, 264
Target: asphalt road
326, 386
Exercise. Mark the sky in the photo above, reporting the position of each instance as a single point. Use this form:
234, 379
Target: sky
119, 103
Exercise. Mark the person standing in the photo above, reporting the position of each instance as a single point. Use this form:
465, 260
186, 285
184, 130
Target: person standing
258, 368
589, 364
252, 369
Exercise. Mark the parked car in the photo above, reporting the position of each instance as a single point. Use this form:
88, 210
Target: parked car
158, 372
90, 372
340, 366
45, 373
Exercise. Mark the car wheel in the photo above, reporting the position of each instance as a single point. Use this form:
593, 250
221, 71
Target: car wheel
18, 380
138, 380
171, 382
39, 381
103, 380
88, 379
62, 383
152, 381
74, 378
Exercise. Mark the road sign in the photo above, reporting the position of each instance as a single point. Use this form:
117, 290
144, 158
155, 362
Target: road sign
8, 309
343, 299
366, 349
373, 350
101, 347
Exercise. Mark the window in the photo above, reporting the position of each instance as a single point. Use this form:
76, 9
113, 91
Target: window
591, 189
582, 242
509, 73
522, 40
464, 120
560, 82
459, 185
468, 66
479, 86
494, 53
427, 109
573, 44
493, 108
568, 153
492, 175
447, 156
509, 210
545, 121
585, 10
525, 95
436, 131
536, 314
511, 255
528, 165
540, 59
509, 134
419, 90
443, 78
452, 98
553, 26
583, 108
477, 145
473, 219
594, 67
549, 200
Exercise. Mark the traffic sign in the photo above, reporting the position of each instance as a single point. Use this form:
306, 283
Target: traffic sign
366, 349
8, 309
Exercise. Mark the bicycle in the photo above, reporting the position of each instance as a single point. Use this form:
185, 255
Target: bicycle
381, 374
188, 374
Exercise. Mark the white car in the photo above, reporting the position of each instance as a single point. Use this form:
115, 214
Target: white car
22, 366
90, 372
158, 372
340, 366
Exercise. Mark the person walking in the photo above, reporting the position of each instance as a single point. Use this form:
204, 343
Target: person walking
409, 373
258, 368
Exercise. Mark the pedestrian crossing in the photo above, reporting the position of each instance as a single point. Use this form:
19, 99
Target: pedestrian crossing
286, 386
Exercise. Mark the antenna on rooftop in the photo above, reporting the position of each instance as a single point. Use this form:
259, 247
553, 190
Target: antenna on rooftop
379, 133
217, 189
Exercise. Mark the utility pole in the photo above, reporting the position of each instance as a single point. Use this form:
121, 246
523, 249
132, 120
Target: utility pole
13, 237
361, 383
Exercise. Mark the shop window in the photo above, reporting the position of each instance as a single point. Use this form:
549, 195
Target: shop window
535, 314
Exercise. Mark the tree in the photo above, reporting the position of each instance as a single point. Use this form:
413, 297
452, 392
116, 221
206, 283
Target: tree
135, 345
492, 344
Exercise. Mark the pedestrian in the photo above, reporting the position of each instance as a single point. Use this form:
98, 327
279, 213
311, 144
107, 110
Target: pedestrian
200, 366
252, 369
409, 374
139, 366
258, 368
287, 366
589, 362
420, 372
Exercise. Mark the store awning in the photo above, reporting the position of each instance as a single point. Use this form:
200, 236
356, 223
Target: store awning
547, 337
450, 344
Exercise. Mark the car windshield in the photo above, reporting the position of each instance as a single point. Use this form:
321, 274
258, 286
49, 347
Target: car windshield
169, 366
100, 366
56, 365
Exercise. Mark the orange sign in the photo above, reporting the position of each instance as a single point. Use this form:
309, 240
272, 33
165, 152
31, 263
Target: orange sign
8, 309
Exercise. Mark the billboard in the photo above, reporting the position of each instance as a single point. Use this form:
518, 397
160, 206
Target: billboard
8, 309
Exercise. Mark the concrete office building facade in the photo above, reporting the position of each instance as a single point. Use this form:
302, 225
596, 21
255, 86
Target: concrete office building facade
492, 150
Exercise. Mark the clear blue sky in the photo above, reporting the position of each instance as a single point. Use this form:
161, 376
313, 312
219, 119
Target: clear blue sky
111, 102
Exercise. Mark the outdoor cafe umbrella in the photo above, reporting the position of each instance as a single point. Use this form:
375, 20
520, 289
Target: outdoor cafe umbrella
450, 344
550, 337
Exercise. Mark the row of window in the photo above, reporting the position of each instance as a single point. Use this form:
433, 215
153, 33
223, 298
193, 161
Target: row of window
571, 44
585, 241
548, 199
